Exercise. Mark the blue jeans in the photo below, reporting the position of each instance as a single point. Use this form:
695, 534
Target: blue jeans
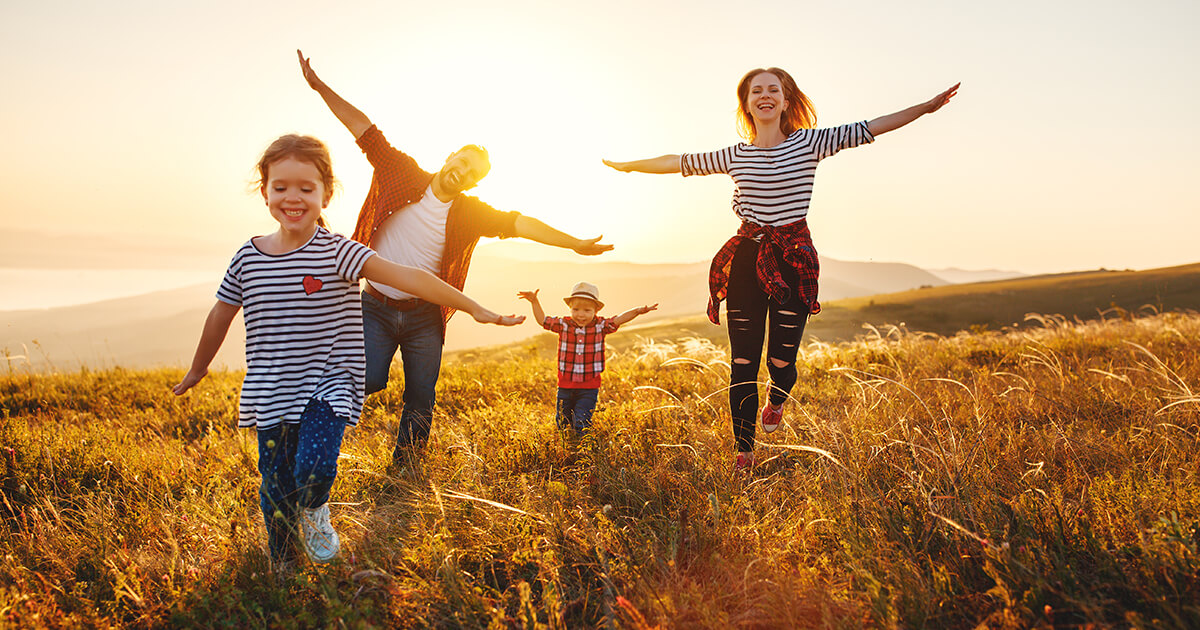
298, 463
575, 407
418, 335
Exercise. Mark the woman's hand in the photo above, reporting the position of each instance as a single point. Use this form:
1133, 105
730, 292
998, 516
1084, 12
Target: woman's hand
624, 167
936, 103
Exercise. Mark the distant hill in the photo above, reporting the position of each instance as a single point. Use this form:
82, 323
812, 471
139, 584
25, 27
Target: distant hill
162, 328
954, 275
948, 309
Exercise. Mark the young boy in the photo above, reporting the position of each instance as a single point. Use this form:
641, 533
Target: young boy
580, 351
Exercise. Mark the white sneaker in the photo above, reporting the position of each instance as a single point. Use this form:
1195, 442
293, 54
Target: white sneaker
320, 540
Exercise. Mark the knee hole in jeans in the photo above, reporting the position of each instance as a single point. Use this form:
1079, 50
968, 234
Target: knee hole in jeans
742, 361
780, 363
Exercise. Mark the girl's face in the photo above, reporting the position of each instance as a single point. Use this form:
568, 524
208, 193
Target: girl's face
295, 195
765, 101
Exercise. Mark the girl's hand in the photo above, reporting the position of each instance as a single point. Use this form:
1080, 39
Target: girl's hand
189, 380
484, 316
936, 103
528, 295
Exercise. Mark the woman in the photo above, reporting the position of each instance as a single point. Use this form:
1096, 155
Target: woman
768, 270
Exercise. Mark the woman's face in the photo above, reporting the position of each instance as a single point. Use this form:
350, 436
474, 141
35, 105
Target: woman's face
765, 100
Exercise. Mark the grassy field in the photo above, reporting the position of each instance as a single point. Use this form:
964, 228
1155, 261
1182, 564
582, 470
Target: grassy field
1043, 476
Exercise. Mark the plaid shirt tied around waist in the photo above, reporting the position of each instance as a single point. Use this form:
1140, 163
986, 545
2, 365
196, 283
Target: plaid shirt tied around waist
580, 348
789, 245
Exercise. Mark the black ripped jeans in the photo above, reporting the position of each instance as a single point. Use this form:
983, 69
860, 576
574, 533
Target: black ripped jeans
747, 309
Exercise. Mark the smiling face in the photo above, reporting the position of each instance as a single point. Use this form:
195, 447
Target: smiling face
583, 311
765, 102
461, 172
295, 195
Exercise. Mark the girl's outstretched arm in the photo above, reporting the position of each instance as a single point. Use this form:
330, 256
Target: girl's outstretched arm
538, 313
430, 288
891, 122
634, 312
660, 164
215, 329
350, 116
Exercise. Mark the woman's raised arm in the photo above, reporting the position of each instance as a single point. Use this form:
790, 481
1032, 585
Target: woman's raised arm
891, 122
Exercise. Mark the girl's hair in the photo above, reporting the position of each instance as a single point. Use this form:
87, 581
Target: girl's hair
800, 114
303, 148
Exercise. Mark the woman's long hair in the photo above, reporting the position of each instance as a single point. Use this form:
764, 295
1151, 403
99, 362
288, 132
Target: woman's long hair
800, 113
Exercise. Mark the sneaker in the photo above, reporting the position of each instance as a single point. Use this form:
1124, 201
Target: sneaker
771, 417
320, 540
743, 463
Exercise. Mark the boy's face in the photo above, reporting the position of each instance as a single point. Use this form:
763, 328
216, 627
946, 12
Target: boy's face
583, 311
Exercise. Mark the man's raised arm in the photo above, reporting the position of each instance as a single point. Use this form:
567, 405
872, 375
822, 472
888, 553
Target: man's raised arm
356, 121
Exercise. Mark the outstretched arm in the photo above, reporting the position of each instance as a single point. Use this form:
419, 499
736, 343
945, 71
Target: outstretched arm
356, 121
538, 313
215, 329
534, 230
660, 164
891, 122
431, 289
634, 312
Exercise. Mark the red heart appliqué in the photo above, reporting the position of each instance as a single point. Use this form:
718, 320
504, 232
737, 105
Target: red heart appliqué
312, 285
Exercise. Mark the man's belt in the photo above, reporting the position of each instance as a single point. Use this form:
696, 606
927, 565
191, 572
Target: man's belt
400, 305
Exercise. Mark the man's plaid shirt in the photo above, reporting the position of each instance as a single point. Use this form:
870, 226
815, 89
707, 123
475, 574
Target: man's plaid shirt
789, 245
399, 182
580, 350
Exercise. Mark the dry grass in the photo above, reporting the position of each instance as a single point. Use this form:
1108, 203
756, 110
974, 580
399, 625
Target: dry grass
1039, 478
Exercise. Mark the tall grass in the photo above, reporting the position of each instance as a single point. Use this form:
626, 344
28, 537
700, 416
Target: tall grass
1045, 476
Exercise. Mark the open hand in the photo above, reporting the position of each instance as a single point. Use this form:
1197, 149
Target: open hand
936, 103
484, 316
306, 69
189, 380
642, 310
620, 166
591, 246
529, 295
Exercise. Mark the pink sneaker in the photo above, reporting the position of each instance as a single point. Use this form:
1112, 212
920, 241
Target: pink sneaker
771, 417
743, 463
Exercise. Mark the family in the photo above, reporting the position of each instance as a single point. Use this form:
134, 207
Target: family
316, 345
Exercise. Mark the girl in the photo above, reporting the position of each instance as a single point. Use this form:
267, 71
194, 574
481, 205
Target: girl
304, 342
769, 268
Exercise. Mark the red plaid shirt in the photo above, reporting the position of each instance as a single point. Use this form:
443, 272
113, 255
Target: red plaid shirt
580, 350
789, 244
399, 182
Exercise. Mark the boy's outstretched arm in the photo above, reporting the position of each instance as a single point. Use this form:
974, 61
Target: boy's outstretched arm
634, 312
354, 120
216, 326
538, 314
430, 288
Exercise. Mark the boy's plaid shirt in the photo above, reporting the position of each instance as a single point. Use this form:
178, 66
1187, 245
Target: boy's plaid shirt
580, 348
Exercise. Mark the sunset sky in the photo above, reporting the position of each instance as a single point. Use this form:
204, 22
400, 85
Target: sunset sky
1071, 145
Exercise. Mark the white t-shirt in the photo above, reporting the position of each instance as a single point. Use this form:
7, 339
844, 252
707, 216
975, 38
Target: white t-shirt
415, 236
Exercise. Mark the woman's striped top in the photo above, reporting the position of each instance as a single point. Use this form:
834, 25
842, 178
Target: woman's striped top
304, 330
774, 185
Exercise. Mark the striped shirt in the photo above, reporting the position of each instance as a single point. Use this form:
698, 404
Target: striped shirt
774, 184
304, 331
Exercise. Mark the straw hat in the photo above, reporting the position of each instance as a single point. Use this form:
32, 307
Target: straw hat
585, 290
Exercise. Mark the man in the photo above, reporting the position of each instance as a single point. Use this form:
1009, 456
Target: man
423, 220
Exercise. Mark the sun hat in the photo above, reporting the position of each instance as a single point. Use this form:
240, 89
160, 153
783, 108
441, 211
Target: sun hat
585, 290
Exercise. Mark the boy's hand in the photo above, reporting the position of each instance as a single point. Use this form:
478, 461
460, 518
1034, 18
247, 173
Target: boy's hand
189, 380
642, 310
528, 295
